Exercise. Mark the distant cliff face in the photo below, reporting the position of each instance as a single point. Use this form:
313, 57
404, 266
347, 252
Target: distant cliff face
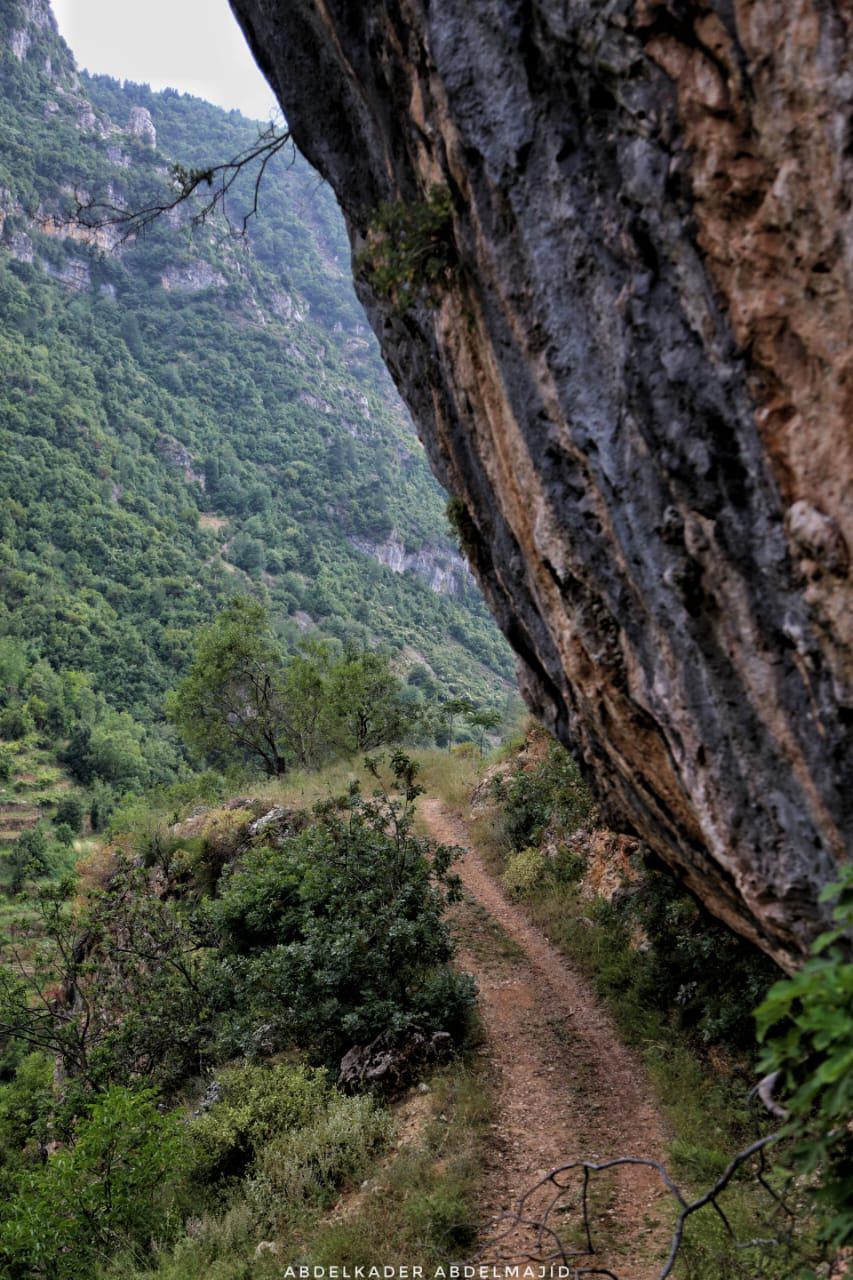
636, 373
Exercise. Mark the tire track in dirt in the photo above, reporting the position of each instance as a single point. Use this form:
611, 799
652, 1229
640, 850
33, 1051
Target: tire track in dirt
566, 1087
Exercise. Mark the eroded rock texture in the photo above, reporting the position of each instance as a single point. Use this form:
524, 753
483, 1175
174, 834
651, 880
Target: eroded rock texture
639, 382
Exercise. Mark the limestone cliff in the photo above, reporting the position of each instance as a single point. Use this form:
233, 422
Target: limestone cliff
638, 378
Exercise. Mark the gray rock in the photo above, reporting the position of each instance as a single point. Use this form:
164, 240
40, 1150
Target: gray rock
142, 126
649, 253
388, 1063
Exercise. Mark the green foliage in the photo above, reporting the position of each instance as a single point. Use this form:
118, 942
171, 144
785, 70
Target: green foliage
142, 413
253, 1104
411, 251
134, 963
336, 934
692, 974
327, 936
288, 1131
243, 699
15, 723
108, 1188
69, 811
365, 703
524, 870
551, 793
232, 698
483, 721
28, 856
64, 834
308, 1166
706, 979
806, 1027
26, 1104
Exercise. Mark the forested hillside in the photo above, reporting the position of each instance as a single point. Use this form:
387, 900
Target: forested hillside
191, 415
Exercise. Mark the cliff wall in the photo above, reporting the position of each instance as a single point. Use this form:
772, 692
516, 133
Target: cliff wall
636, 376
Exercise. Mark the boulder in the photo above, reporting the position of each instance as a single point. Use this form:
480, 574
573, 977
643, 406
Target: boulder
390, 1062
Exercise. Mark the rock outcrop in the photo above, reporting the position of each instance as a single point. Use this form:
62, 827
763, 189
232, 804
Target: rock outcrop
635, 373
444, 572
142, 126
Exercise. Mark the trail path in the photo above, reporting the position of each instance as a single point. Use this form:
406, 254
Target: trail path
566, 1087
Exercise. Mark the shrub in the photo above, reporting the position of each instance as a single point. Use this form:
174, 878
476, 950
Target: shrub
107, 1190
25, 1105
338, 934
64, 835
7, 762
15, 723
411, 251
524, 871
33, 849
550, 793
705, 977
70, 811
254, 1104
307, 1166
806, 1025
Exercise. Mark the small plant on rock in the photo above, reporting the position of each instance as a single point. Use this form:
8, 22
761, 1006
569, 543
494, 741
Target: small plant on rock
411, 252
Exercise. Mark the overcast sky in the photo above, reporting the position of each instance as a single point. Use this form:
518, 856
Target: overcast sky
192, 45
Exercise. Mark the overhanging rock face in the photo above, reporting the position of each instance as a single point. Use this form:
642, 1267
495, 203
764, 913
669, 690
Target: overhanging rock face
638, 380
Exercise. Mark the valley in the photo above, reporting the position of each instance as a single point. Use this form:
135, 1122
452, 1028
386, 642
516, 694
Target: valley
317, 949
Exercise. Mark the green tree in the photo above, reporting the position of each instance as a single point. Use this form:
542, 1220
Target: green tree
231, 701
305, 703
13, 667
107, 1190
337, 933
451, 710
806, 1027
366, 703
483, 720
69, 810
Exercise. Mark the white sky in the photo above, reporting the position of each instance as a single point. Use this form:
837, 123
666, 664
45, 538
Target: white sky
192, 45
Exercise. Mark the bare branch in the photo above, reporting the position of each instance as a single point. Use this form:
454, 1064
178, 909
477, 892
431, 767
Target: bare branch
214, 185
547, 1245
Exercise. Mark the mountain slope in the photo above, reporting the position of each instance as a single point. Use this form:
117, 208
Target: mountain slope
192, 414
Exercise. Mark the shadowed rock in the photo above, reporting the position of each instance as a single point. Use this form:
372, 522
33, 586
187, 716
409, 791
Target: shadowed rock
634, 370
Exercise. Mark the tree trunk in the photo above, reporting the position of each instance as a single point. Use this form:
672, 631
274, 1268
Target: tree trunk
636, 374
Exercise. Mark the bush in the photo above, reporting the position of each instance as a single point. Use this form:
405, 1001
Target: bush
290, 1131
705, 977
253, 1104
309, 1165
70, 811
411, 252
806, 1024
338, 933
30, 854
64, 835
15, 723
7, 763
25, 1105
551, 793
524, 871
107, 1190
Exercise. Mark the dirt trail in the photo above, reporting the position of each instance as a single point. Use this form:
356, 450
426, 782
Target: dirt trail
566, 1087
